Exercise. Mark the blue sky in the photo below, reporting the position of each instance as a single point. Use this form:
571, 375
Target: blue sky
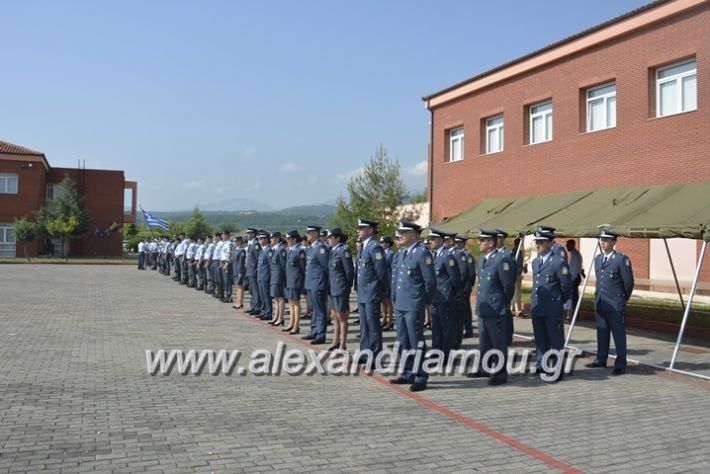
278, 102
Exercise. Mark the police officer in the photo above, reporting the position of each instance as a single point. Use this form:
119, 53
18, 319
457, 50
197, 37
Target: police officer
340, 283
239, 268
180, 250
372, 284
295, 275
496, 285
141, 254
557, 249
316, 283
448, 286
277, 282
552, 287
190, 258
154, 254
207, 264
387, 309
200, 264
509, 257
253, 251
470, 281
216, 270
456, 318
263, 277
413, 288
615, 283
226, 268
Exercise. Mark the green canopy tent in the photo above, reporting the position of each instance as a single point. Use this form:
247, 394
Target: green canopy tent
660, 212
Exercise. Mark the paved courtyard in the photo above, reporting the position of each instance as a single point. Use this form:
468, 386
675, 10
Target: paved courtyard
75, 396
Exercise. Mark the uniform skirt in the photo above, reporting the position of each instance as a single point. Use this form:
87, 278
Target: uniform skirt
340, 304
293, 294
238, 279
277, 291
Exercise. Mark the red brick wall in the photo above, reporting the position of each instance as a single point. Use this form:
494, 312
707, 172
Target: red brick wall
641, 150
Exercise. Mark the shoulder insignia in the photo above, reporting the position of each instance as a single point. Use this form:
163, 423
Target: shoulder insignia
470, 259
378, 256
347, 254
322, 251
303, 255
452, 263
506, 266
565, 271
463, 258
428, 260
627, 262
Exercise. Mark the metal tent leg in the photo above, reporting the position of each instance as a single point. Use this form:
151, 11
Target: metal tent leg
690, 302
675, 277
581, 296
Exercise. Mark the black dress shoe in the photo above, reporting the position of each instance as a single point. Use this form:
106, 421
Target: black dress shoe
618, 371
477, 375
400, 381
265, 318
417, 387
318, 341
308, 337
595, 365
280, 323
497, 381
294, 331
287, 330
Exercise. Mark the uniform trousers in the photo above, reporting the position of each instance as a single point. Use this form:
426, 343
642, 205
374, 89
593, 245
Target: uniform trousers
611, 323
410, 332
370, 327
549, 334
493, 334
318, 299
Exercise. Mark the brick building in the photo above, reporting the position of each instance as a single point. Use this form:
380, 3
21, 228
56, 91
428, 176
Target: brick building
27, 182
626, 103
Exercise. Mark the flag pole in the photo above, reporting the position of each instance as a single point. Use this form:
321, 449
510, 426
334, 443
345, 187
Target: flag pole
146, 223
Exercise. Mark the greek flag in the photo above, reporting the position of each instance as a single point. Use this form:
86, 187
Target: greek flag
153, 221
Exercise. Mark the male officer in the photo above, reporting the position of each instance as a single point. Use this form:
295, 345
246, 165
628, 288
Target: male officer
508, 255
141, 255
207, 264
239, 268
469, 283
263, 277
200, 264
253, 251
316, 283
413, 287
448, 286
551, 288
190, 257
456, 319
323, 236
496, 285
226, 268
557, 249
277, 281
179, 252
154, 254
216, 270
295, 275
372, 284
615, 283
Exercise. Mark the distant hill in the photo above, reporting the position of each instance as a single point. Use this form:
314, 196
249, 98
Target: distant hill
313, 210
237, 204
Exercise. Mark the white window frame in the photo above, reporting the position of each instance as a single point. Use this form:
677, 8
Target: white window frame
544, 115
5, 179
604, 98
678, 79
7, 249
500, 129
454, 136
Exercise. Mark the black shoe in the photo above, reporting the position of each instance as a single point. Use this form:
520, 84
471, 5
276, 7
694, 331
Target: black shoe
417, 387
618, 371
400, 381
468, 335
308, 337
287, 330
595, 365
265, 318
497, 381
280, 323
477, 375
318, 341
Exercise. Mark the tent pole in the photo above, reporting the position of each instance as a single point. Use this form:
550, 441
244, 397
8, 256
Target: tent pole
581, 295
517, 252
675, 277
690, 302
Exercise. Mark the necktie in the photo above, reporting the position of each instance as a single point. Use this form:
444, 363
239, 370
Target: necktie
605, 259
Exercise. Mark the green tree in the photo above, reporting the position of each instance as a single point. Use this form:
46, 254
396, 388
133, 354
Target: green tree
196, 226
176, 228
64, 216
419, 198
25, 231
227, 227
374, 192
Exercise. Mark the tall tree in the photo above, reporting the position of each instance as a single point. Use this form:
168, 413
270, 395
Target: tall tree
374, 192
196, 226
64, 216
25, 231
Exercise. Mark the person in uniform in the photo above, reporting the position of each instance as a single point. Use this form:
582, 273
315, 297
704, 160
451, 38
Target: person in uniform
226, 268
141, 255
190, 257
179, 253
305, 245
516, 306
240, 269
253, 251
413, 288
323, 236
277, 281
469, 283
387, 309
200, 264
557, 249
456, 316
216, 269
508, 255
295, 275
496, 285
316, 283
552, 286
614, 285
372, 285
170, 250
340, 283
263, 276
207, 264
448, 286
154, 254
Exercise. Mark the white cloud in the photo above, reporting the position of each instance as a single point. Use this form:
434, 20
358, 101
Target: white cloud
290, 168
344, 177
194, 184
420, 169
249, 152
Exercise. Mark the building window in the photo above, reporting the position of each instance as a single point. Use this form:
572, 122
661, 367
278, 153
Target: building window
601, 107
8, 183
541, 123
456, 144
7, 241
494, 134
677, 89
